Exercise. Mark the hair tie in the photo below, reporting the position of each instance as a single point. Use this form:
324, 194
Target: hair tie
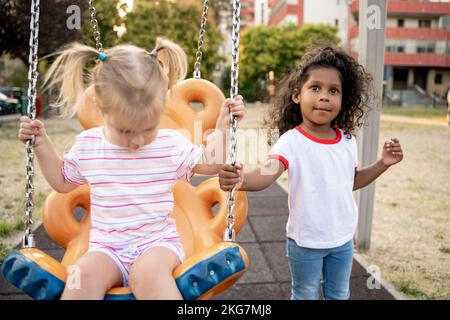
154, 53
102, 56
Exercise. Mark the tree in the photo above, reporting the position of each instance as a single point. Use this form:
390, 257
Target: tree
53, 33
177, 22
278, 49
107, 16
151, 19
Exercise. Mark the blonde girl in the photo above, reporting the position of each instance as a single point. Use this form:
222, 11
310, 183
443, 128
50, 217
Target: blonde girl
130, 164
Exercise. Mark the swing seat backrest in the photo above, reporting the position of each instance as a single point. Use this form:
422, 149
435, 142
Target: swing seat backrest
199, 227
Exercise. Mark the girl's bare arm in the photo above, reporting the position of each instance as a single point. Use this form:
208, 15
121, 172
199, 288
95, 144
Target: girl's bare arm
254, 180
49, 161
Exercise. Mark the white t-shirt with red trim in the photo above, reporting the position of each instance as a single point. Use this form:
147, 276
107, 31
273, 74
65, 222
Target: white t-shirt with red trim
322, 210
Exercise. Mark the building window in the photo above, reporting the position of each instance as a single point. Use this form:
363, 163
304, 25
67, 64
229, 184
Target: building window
425, 47
425, 23
336, 22
438, 78
421, 50
401, 49
400, 23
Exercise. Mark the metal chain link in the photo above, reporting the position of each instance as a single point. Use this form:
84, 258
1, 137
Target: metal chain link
94, 24
28, 238
198, 55
230, 235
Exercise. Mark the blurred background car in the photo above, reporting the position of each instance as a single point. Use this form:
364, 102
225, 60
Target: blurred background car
17, 98
8, 105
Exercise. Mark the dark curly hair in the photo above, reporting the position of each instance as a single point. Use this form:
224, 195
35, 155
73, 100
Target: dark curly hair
357, 89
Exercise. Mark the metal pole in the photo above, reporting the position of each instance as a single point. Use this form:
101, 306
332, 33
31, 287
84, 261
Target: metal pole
372, 21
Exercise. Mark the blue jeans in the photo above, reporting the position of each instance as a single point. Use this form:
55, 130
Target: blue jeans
309, 265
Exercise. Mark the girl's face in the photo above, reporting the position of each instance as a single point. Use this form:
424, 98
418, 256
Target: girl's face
141, 134
320, 98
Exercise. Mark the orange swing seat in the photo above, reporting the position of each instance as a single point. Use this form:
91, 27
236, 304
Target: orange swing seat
211, 264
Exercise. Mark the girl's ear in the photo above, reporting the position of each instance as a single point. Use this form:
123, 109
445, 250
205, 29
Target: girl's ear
296, 96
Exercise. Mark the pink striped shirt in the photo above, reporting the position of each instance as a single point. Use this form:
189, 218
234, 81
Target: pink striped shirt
131, 192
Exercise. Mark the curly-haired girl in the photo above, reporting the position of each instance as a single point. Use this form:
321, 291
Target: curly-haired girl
318, 107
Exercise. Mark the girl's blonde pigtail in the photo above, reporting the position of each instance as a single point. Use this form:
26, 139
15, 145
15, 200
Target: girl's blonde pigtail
67, 74
173, 58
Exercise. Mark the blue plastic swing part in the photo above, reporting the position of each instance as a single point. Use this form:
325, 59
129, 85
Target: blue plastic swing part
33, 271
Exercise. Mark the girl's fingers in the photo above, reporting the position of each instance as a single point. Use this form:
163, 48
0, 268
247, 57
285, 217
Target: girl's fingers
24, 119
31, 126
396, 149
228, 175
25, 137
227, 187
237, 110
392, 143
231, 168
229, 182
28, 131
227, 168
37, 124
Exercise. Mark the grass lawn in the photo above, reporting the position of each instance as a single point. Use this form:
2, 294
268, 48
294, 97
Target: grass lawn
411, 224
437, 114
12, 176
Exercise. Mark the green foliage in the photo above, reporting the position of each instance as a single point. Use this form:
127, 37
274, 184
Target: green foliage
107, 17
20, 225
53, 32
5, 228
18, 78
3, 252
406, 288
151, 19
444, 249
278, 49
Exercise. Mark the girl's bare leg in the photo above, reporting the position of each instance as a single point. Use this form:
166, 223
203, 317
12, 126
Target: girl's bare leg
93, 275
151, 275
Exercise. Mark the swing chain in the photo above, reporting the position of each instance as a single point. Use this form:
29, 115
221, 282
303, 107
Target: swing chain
229, 235
235, 49
28, 238
94, 25
198, 55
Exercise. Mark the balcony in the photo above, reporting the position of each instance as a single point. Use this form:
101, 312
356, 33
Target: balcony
415, 8
277, 16
411, 33
418, 33
417, 60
